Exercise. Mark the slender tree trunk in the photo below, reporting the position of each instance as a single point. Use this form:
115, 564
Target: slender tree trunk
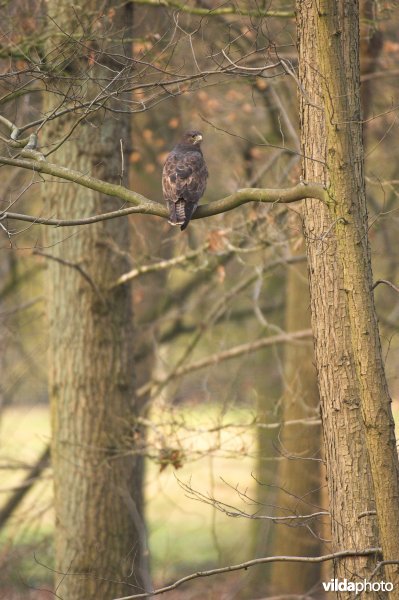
300, 475
354, 397
100, 537
370, 50
262, 531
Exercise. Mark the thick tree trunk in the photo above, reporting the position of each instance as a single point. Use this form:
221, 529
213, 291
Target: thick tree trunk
354, 398
348, 469
100, 537
348, 208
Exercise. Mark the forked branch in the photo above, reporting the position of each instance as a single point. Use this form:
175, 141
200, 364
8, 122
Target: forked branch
146, 206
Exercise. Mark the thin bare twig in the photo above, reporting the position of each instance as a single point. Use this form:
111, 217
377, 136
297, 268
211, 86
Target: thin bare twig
73, 265
392, 285
232, 511
21, 491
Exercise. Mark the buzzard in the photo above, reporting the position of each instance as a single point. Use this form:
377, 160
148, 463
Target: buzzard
184, 178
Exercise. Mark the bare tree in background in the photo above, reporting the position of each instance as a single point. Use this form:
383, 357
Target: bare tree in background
100, 534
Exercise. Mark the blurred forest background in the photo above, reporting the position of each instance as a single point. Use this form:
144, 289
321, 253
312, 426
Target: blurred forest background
226, 427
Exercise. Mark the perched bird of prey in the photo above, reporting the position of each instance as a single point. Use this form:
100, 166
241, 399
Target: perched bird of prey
184, 178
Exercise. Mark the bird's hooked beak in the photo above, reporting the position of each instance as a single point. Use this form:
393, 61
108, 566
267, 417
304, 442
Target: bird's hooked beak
198, 138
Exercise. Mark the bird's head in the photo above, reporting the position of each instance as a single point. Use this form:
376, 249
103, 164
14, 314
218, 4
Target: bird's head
193, 137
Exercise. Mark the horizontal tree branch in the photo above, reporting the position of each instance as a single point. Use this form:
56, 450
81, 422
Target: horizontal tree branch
70, 222
250, 347
251, 563
110, 189
221, 10
159, 266
147, 206
177, 260
233, 352
310, 422
274, 196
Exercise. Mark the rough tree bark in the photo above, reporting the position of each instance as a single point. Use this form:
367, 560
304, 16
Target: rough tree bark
355, 402
100, 538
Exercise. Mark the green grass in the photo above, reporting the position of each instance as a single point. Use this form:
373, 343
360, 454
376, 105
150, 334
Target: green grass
184, 534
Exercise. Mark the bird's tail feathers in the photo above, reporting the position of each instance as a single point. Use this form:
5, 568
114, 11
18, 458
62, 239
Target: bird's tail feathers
189, 211
177, 213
